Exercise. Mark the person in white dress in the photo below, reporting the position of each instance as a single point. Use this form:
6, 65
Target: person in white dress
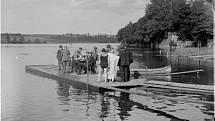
112, 64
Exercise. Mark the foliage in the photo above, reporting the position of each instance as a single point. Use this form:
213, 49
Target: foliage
190, 20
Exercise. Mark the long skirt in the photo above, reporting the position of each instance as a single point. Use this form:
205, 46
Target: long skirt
113, 60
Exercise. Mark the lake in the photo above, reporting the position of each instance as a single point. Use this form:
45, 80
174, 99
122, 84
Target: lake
28, 97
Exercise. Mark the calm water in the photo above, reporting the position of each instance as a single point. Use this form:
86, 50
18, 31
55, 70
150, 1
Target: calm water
27, 97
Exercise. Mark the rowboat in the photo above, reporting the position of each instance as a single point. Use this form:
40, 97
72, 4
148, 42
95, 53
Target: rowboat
157, 77
164, 70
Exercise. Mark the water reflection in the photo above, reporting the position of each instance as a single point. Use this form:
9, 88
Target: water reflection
63, 89
124, 106
155, 59
112, 105
105, 104
63, 92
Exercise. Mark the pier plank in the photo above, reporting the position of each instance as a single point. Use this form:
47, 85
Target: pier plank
188, 86
51, 71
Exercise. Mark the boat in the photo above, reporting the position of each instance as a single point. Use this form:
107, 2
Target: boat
157, 77
164, 70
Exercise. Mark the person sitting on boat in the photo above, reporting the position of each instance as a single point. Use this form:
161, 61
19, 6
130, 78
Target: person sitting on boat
103, 66
59, 57
125, 59
65, 58
112, 65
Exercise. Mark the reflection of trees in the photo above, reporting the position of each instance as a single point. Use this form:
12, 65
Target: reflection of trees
151, 59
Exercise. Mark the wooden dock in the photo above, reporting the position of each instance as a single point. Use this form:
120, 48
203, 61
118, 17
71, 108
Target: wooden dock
88, 81
50, 71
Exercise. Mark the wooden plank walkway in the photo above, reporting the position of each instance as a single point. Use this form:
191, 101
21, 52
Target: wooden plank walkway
89, 81
181, 88
50, 71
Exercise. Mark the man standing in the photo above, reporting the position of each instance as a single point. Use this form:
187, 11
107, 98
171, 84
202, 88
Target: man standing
59, 57
65, 58
95, 57
125, 59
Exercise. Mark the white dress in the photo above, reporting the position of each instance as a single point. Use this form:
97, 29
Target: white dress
112, 62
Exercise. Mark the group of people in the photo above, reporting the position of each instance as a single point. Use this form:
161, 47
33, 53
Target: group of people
103, 62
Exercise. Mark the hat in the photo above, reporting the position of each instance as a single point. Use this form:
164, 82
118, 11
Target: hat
122, 47
95, 47
103, 50
108, 46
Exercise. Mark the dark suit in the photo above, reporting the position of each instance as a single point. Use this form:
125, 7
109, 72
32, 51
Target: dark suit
125, 59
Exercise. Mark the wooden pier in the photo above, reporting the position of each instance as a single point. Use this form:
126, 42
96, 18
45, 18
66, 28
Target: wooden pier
89, 81
51, 71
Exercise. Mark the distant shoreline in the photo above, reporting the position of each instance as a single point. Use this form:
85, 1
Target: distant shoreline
8, 38
60, 43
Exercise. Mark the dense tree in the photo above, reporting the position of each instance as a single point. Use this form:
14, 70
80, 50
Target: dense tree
190, 20
37, 41
21, 40
7, 38
202, 22
14, 40
28, 41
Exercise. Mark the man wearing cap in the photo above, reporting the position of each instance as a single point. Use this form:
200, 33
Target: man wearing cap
125, 59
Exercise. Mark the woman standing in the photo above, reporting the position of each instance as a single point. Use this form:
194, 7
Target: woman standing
103, 59
112, 64
65, 58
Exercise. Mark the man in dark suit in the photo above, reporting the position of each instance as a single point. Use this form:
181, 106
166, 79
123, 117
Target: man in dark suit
125, 59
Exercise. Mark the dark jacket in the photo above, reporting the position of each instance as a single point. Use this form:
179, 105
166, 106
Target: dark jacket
125, 58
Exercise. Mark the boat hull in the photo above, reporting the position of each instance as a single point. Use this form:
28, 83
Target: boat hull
164, 70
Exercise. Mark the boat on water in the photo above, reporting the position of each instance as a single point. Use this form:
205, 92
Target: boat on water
164, 70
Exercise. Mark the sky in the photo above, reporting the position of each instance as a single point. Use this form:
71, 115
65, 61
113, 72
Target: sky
69, 16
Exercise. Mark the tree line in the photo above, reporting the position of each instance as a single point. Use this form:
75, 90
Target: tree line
190, 20
67, 38
19, 39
